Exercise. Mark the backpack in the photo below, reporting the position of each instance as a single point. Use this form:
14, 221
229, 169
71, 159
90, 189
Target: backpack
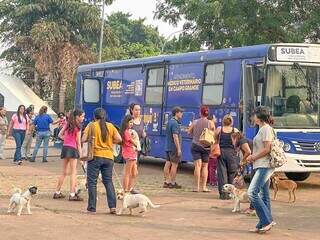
277, 154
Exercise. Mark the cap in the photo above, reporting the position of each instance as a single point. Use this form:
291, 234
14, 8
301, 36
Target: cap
176, 110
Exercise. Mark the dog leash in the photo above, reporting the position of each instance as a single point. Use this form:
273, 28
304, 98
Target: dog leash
117, 177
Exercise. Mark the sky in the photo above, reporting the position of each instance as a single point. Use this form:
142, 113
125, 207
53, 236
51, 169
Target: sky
143, 9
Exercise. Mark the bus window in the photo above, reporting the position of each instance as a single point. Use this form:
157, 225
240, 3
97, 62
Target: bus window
91, 90
154, 89
213, 84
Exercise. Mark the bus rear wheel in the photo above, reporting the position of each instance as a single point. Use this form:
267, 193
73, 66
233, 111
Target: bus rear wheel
298, 176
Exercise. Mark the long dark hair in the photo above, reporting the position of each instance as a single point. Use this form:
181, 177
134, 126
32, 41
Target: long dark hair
263, 113
131, 107
124, 124
72, 123
101, 115
43, 110
24, 113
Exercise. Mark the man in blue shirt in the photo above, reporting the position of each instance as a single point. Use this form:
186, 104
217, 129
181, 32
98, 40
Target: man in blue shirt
173, 149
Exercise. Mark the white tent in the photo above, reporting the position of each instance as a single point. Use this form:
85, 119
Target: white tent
15, 92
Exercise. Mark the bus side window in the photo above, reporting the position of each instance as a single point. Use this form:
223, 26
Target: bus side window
213, 84
91, 90
154, 88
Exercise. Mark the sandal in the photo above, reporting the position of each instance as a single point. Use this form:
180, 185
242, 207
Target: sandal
206, 190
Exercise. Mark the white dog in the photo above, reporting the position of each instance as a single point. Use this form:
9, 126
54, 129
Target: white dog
135, 139
131, 201
19, 200
238, 195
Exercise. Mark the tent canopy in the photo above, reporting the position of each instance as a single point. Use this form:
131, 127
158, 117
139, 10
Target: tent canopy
14, 92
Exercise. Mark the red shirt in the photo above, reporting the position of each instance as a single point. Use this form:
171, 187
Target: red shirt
128, 149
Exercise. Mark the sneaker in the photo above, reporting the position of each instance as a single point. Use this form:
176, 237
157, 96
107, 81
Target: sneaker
266, 228
166, 185
44, 160
75, 198
113, 211
175, 186
58, 196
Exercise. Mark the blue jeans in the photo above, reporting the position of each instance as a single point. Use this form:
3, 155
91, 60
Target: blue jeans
259, 196
94, 167
19, 138
42, 137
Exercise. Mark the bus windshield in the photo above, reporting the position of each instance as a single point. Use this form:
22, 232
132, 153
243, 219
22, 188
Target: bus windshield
292, 93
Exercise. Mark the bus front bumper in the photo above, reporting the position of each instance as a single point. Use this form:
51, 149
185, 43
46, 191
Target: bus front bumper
301, 163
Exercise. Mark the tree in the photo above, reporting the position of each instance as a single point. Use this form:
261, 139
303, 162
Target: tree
135, 39
225, 23
48, 39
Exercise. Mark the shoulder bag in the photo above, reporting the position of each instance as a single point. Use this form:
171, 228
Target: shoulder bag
88, 146
277, 154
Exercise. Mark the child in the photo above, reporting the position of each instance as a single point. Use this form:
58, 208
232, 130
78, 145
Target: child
71, 135
213, 160
244, 146
130, 146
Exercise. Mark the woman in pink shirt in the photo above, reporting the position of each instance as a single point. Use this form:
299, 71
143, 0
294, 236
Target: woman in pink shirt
129, 153
71, 135
18, 127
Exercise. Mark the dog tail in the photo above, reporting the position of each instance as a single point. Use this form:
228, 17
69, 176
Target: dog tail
152, 205
16, 190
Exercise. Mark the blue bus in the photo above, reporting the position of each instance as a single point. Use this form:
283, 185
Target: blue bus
284, 77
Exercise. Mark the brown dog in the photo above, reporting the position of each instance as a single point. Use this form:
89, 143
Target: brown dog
290, 185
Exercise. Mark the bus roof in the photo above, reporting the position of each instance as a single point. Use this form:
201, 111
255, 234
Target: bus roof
210, 55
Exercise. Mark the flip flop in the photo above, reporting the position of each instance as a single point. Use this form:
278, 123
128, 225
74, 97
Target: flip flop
206, 190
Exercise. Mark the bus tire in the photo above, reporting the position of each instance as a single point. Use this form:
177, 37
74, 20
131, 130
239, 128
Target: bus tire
298, 176
117, 153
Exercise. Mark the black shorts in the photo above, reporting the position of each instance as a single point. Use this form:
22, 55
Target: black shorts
69, 152
199, 152
173, 157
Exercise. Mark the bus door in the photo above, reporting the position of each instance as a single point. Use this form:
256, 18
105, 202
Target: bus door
91, 95
154, 106
253, 78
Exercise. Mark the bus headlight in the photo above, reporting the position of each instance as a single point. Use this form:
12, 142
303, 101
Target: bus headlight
287, 147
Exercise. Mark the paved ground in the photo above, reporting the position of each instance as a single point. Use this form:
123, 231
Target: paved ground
183, 214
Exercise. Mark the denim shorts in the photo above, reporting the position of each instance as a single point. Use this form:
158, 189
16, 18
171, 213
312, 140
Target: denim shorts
199, 152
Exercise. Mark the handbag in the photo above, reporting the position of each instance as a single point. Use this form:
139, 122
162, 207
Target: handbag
88, 146
145, 146
277, 155
207, 137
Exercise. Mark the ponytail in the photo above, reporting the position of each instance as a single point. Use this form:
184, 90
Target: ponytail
101, 115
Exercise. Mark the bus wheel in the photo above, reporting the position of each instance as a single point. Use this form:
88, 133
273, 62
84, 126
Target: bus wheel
117, 153
298, 176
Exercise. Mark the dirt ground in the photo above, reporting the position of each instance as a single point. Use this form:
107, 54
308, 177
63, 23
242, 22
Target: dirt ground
182, 215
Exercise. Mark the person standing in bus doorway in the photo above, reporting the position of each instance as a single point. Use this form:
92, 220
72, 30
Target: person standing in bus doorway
3, 130
26, 146
71, 135
228, 162
105, 135
173, 149
200, 153
258, 191
42, 124
18, 125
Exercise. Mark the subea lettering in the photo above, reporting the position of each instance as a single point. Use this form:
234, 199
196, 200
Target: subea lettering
296, 51
114, 85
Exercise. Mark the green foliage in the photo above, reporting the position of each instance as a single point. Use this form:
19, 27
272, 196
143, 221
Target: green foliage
135, 39
224, 23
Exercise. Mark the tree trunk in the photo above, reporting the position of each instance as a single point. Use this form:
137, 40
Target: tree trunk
62, 94
56, 85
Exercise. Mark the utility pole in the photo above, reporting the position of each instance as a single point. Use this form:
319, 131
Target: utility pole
101, 32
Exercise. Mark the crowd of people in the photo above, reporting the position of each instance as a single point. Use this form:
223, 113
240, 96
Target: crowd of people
215, 164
